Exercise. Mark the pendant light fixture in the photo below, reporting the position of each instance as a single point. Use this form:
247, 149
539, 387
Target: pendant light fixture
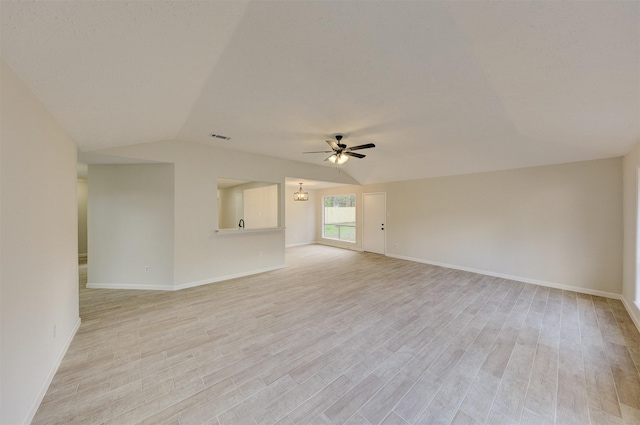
300, 195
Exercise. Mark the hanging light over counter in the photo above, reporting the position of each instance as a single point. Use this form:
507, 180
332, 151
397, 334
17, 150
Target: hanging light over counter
300, 195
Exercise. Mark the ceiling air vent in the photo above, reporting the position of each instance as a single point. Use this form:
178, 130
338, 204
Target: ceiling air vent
220, 136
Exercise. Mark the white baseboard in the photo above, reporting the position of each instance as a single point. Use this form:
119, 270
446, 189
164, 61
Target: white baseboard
223, 278
516, 278
130, 286
180, 286
633, 308
298, 244
52, 372
352, 247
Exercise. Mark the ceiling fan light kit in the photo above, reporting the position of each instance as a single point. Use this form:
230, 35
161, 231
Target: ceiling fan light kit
340, 153
338, 159
300, 195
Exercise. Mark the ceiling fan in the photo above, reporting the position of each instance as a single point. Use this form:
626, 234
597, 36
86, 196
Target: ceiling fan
341, 153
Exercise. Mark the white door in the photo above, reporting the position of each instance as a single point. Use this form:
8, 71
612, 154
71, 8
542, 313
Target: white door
374, 220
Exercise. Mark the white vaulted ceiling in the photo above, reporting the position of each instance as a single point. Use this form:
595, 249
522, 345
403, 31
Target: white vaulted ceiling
441, 88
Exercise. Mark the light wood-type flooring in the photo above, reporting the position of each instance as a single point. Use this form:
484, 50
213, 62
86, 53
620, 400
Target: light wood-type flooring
344, 337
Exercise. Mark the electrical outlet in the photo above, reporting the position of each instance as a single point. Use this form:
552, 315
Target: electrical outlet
146, 268
54, 331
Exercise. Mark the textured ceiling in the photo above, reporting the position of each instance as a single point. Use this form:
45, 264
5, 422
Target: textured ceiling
442, 88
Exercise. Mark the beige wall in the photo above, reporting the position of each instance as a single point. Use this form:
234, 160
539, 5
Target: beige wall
131, 224
559, 225
227, 208
201, 255
630, 290
260, 207
39, 245
82, 217
300, 217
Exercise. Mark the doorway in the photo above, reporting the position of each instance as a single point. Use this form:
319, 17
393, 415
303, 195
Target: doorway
82, 174
373, 222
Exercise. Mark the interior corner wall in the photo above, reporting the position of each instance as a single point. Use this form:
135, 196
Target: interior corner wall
557, 225
39, 270
131, 226
300, 218
630, 291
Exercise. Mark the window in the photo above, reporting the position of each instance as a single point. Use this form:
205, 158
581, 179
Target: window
339, 218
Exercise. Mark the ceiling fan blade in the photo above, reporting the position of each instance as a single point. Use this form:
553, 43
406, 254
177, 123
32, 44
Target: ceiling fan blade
333, 145
319, 152
355, 155
366, 146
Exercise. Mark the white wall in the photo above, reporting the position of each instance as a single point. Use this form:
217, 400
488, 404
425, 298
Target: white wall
200, 254
300, 217
227, 209
556, 225
82, 216
131, 222
260, 207
630, 292
39, 270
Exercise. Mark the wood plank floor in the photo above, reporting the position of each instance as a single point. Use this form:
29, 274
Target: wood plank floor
342, 337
